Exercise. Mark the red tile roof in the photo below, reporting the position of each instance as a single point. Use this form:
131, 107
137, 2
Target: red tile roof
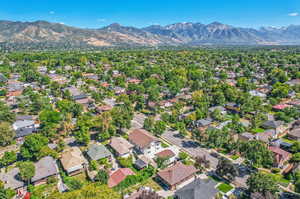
281, 106
118, 176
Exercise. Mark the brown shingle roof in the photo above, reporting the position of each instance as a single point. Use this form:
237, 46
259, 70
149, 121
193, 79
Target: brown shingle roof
120, 145
295, 133
165, 154
141, 138
72, 157
177, 173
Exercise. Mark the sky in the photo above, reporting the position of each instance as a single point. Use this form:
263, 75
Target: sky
142, 13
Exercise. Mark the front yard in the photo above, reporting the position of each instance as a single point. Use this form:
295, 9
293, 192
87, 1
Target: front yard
148, 183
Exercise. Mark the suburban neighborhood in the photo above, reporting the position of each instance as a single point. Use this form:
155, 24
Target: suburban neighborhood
174, 124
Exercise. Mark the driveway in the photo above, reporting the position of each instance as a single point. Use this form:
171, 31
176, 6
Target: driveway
189, 146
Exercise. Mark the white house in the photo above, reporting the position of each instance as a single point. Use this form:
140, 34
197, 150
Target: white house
144, 142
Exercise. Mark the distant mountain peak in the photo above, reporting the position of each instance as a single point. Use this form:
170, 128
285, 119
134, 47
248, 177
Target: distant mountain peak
215, 23
185, 33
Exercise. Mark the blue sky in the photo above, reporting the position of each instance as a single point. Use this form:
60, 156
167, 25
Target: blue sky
141, 13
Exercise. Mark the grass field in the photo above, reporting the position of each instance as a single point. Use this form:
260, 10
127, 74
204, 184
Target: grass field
224, 187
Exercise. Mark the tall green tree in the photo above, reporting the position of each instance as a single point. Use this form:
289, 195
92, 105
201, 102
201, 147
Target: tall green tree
27, 170
32, 146
262, 183
7, 134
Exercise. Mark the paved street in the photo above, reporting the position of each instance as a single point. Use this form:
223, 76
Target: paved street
189, 146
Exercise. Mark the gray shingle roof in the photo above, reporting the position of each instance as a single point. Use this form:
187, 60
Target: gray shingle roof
24, 132
272, 124
44, 168
198, 189
97, 152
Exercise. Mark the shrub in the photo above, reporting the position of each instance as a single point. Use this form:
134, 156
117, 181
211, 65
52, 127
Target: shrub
275, 170
73, 184
51, 180
93, 165
102, 177
126, 162
135, 179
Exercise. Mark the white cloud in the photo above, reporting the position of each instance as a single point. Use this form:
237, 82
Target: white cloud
101, 20
294, 14
51, 12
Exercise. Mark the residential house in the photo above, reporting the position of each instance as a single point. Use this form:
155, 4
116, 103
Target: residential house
266, 136
294, 134
167, 154
103, 108
79, 97
76, 93
44, 168
280, 156
118, 176
24, 127
143, 191
143, 161
176, 175
232, 107
12, 179
3, 79
121, 146
245, 137
276, 125
198, 189
42, 69
91, 76
140, 163
293, 82
280, 107
58, 78
202, 124
133, 81
144, 142
220, 108
72, 161
14, 88
257, 93
119, 90
98, 152
295, 103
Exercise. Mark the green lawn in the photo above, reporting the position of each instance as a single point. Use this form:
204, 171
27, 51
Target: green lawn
280, 179
43, 191
258, 130
165, 145
224, 187
235, 157
148, 183
288, 140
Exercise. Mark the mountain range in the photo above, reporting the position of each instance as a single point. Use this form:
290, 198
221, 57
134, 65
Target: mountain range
178, 34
